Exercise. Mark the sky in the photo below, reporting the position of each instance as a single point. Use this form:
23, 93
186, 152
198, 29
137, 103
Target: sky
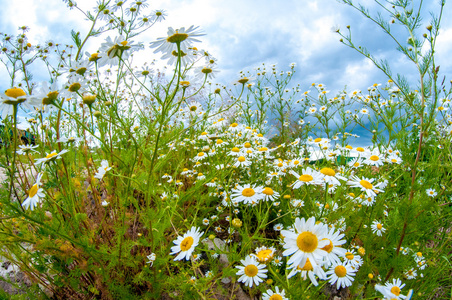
243, 34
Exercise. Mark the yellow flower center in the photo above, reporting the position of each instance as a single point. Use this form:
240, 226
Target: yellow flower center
317, 140
328, 172
33, 191
349, 255
184, 83
251, 270
379, 226
340, 271
263, 149
206, 70
374, 158
193, 108
234, 125
241, 159
268, 191
395, 290
307, 266
247, 145
296, 162
51, 155
275, 297
243, 80
305, 178
349, 147
235, 149
15, 92
74, 87
177, 37
307, 242
280, 165
248, 192
94, 57
328, 248
52, 96
264, 255
366, 184
186, 243
359, 149
200, 154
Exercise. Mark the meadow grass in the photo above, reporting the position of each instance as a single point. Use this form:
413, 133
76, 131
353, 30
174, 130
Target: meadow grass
147, 183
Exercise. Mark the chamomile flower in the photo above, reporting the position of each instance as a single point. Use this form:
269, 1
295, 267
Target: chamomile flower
377, 228
334, 248
276, 295
269, 194
25, 149
331, 177
35, 194
264, 254
431, 192
185, 245
365, 184
242, 161
308, 177
350, 258
341, 275
373, 158
247, 194
251, 272
411, 274
306, 240
278, 227
51, 157
308, 271
104, 167
151, 258
391, 290
183, 38
13, 97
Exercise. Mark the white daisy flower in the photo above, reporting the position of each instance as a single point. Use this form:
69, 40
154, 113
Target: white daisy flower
373, 158
308, 177
24, 149
270, 194
151, 258
431, 192
34, 194
180, 36
365, 184
308, 271
330, 176
242, 162
102, 170
251, 272
185, 245
392, 290
270, 295
377, 228
341, 274
51, 157
306, 240
334, 249
247, 194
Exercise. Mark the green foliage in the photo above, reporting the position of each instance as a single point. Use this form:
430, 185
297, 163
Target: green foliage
119, 181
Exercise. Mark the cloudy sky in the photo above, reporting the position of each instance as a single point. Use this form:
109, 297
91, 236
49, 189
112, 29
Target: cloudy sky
243, 34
